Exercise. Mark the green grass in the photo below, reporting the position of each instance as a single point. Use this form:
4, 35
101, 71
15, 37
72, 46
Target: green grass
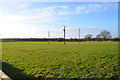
41, 60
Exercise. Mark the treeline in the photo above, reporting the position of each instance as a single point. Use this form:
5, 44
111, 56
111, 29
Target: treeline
57, 39
104, 35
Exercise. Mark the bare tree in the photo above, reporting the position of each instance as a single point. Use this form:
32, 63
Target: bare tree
98, 36
105, 34
88, 36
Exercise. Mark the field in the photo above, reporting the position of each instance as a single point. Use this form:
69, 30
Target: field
41, 60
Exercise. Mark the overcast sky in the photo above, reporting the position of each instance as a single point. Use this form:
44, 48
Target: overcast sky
35, 19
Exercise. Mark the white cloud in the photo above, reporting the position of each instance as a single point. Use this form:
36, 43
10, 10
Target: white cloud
79, 9
24, 21
48, 14
76, 9
37, 13
89, 8
15, 27
24, 5
11, 18
44, 12
1, 8
20, 4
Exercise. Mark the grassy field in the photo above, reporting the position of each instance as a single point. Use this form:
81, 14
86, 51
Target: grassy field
41, 60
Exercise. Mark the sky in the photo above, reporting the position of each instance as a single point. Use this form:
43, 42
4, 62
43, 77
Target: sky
35, 19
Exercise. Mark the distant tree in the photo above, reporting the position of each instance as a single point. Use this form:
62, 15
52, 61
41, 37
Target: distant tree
71, 39
98, 37
116, 39
105, 34
75, 39
88, 36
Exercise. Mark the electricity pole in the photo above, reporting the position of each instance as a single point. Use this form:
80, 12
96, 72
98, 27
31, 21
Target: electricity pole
79, 36
48, 37
64, 34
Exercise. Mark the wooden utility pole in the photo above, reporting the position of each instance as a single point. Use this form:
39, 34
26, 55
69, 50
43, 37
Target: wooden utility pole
48, 37
64, 34
79, 35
